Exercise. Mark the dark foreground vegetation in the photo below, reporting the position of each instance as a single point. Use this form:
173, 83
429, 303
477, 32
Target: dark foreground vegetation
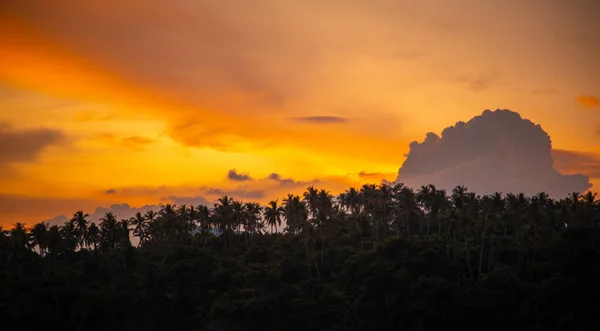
379, 258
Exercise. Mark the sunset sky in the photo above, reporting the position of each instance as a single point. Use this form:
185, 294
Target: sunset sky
148, 101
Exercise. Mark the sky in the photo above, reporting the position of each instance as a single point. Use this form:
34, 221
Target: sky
131, 103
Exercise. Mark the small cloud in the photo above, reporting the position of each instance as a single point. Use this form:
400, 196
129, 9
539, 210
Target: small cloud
320, 119
364, 174
240, 177
588, 101
110, 191
136, 142
237, 193
288, 181
274, 176
25, 145
215, 191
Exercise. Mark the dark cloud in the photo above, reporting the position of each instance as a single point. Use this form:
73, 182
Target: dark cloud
364, 174
239, 193
110, 191
240, 177
289, 181
274, 176
496, 151
588, 101
25, 145
572, 162
320, 119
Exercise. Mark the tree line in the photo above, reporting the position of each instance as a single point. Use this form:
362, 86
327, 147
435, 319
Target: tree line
377, 257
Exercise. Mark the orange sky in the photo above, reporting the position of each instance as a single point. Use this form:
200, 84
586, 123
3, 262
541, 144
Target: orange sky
148, 99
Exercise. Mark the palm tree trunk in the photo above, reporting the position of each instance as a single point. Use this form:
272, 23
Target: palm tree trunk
490, 256
317, 268
407, 225
481, 254
468, 257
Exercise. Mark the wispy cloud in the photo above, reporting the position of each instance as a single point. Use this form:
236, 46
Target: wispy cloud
588, 101
136, 142
320, 119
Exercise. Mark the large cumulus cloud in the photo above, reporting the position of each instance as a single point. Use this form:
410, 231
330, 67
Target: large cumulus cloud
497, 151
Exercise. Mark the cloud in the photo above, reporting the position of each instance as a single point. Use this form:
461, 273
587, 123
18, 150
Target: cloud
126, 211
364, 174
136, 142
588, 101
110, 191
495, 152
239, 193
30, 209
289, 181
573, 162
320, 119
240, 177
25, 145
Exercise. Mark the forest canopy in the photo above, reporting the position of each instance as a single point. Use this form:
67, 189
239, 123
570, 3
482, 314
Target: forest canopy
379, 257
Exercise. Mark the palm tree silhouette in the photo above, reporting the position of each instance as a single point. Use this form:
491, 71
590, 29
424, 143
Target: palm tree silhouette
80, 222
273, 214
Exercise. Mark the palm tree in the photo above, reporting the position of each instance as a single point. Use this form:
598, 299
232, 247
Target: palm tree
239, 216
69, 236
19, 237
79, 218
296, 213
109, 231
93, 235
139, 227
352, 200
253, 220
223, 215
123, 236
39, 237
55, 241
273, 214
311, 200
204, 221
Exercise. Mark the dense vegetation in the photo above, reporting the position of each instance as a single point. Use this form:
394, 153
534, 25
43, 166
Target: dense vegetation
382, 257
